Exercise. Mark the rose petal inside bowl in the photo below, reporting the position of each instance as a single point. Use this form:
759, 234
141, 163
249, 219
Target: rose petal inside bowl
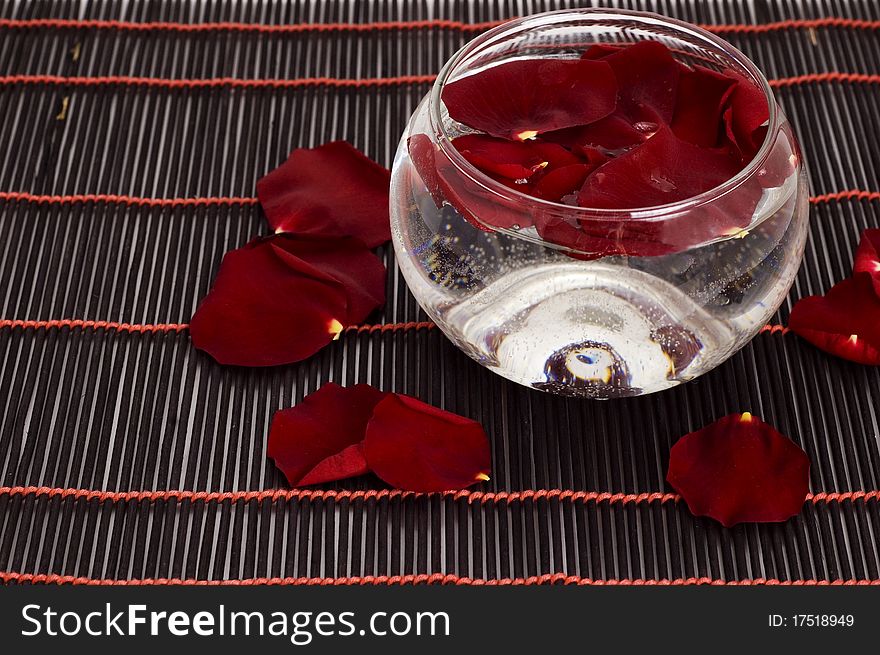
522, 99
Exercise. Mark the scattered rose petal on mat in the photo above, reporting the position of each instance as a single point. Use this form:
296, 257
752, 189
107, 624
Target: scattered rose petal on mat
868, 257
419, 447
333, 190
320, 439
647, 77
699, 106
662, 170
740, 469
524, 98
268, 307
347, 261
844, 322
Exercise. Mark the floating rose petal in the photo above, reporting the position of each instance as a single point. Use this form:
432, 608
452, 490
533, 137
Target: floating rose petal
647, 77
332, 190
746, 113
562, 182
477, 204
868, 257
844, 322
514, 160
662, 170
739, 469
566, 181
699, 106
415, 446
522, 99
612, 134
346, 261
268, 307
319, 440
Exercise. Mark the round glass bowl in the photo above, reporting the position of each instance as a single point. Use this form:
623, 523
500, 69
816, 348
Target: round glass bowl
667, 298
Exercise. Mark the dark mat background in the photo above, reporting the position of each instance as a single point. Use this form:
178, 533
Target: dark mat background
99, 409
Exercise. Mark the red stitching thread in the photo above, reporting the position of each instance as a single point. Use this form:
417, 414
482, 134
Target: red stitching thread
232, 82
775, 329
124, 200
296, 28
96, 325
423, 578
833, 76
472, 497
24, 196
61, 23
181, 327
853, 194
337, 82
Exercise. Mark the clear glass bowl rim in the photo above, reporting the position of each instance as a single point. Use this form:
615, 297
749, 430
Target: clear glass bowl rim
653, 213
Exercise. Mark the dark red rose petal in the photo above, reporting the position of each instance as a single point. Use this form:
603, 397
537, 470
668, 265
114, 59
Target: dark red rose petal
415, 446
601, 50
746, 112
647, 77
612, 134
332, 190
565, 182
268, 307
699, 105
562, 182
476, 203
347, 261
739, 469
521, 99
514, 160
868, 257
319, 440
844, 322
662, 170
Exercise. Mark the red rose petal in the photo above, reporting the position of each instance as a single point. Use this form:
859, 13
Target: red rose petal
477, 204
268, 307
844, 322
319, 440
647, 77
521, 99
746, 112
868, 257
415, 446
662, 170
332, 190
611, 134
601, 50
513, 160
562, 182
699, 106
739, 469
346, 261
